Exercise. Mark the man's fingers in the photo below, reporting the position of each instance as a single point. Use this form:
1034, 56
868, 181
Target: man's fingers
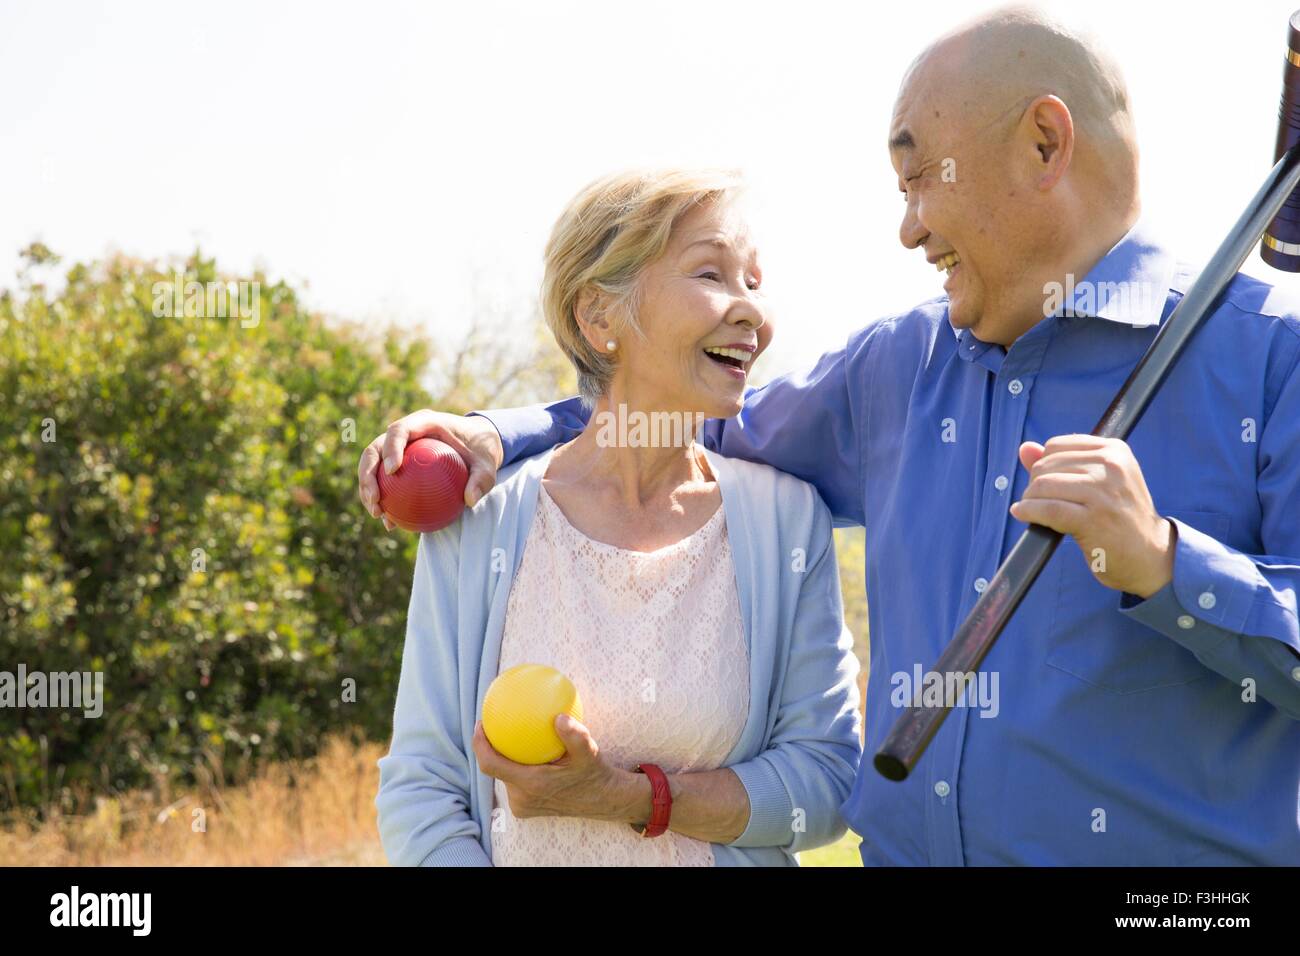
1075, 443
367, 483
1030, 452
1063, 486
481, 481
1066, 517
395, 445
1078, 463
450, 438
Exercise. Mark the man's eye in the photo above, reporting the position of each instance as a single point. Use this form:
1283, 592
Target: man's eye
708, 275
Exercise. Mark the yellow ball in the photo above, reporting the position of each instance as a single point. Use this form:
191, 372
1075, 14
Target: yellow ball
519, 712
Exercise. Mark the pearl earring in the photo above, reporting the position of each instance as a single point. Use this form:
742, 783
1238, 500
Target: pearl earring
611, 345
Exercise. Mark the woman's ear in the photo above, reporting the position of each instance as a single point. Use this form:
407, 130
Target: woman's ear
592, 314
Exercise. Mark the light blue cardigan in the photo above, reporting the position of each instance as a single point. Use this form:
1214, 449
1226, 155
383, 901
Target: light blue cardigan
800, 746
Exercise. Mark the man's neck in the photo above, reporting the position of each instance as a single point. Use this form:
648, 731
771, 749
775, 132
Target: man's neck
1069, 269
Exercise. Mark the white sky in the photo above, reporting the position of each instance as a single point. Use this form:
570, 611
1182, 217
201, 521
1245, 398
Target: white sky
407, 160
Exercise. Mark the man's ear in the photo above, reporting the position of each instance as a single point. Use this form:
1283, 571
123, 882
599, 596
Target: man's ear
1050, 130
592, 313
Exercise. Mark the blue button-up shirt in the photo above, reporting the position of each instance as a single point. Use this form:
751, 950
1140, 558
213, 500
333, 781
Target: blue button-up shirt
1118, 731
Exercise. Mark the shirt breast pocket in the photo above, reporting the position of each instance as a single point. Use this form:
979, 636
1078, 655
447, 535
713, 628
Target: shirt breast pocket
1093, 641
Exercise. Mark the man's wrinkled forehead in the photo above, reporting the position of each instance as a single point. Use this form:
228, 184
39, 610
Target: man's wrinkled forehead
926, 104
914, 93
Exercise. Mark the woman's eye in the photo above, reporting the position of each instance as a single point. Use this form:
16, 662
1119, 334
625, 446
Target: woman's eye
709, 275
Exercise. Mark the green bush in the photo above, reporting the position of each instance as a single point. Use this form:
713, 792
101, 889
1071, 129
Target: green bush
193, 528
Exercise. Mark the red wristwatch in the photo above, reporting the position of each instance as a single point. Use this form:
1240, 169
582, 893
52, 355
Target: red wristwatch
661, 801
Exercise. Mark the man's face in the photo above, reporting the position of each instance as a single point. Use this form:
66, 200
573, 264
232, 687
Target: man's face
964, 206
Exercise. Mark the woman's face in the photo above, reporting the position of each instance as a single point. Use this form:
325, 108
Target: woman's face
703, 295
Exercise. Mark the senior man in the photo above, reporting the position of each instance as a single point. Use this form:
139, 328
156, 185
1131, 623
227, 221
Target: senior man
1148, 694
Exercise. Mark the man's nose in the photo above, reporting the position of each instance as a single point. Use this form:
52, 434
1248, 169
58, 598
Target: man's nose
911, 233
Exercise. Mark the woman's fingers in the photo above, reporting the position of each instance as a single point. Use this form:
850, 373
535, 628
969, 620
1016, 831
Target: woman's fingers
489, 761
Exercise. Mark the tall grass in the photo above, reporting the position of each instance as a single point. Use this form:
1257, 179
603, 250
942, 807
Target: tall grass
312, 811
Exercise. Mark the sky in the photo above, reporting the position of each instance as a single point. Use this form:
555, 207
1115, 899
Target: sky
405, 162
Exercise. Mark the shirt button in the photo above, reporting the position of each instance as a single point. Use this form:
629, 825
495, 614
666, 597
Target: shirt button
981, 584
1295, 673
1186, 621
1015, 387
941, 788
1000, 482
1206, 600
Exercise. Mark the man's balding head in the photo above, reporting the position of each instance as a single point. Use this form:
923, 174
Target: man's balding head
1014, 140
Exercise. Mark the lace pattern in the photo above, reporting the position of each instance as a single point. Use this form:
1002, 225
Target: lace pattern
654, 643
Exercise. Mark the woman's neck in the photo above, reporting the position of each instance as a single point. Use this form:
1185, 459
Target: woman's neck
638, 454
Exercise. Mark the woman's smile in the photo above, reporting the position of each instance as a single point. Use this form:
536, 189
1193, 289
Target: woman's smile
732, 360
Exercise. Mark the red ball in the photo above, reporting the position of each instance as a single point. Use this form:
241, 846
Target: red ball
427, 492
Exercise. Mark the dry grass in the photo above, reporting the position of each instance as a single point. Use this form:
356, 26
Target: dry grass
315, 812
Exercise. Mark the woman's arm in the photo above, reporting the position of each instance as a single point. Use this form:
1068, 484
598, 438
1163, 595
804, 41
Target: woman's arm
424, 782
797, 785
710, 805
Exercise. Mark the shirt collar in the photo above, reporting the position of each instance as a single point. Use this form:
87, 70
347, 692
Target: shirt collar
1129, 284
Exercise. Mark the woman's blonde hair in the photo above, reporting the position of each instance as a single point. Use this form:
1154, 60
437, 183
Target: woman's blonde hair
609, 233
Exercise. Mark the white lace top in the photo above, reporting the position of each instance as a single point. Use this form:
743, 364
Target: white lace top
655, 645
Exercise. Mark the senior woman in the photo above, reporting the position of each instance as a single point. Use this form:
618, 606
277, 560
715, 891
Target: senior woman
691, 598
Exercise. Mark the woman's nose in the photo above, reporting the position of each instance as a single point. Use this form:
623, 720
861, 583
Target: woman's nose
747, 311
